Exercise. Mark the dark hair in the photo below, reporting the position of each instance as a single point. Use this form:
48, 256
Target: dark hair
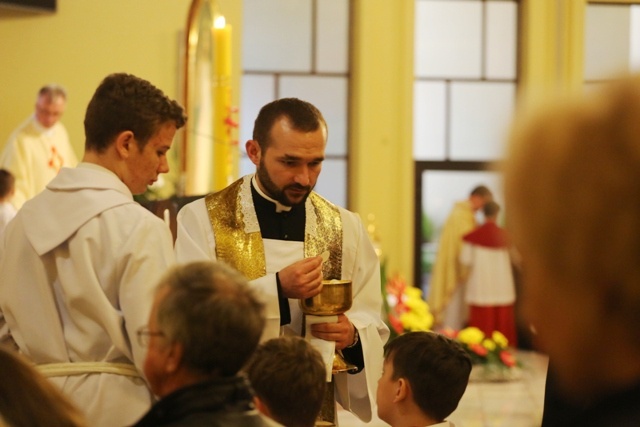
211, 310
7, 182
124, 102
289, 376
482, 191
436, 367
27, 398
302, 116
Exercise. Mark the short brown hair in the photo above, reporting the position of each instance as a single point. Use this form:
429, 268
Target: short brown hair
303, 116
124, 102
288, 375
436, 367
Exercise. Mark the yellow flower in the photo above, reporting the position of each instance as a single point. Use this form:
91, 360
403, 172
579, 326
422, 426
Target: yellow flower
471, 335
412, 321
416, 303
500, 339
489, 344
413, 292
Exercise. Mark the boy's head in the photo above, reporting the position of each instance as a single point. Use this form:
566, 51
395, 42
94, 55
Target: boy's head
491, 210
424, 377
289, 379
7, 185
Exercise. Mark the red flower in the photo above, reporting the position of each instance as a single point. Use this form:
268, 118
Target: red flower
507, 358
479, 349
449, 333
396, 324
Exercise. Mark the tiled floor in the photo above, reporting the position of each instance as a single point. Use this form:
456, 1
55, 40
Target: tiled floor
493, 404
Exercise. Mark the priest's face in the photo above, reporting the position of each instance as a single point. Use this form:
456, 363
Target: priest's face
288, 168
49, 110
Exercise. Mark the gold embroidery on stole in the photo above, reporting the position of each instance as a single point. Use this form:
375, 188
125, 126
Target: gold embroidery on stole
244, 250
327, 235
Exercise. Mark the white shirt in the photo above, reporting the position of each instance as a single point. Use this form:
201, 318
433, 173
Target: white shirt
7, 212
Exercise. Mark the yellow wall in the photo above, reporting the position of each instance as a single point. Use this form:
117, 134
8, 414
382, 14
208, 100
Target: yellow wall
83, 42
381, 140
78, 46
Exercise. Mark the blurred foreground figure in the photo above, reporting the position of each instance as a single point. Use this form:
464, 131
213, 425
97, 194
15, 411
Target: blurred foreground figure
572, 189
29, 399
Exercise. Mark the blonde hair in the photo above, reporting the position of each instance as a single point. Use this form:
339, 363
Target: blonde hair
572, 189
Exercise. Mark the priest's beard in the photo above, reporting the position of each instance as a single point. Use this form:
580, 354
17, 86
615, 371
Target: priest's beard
279, 194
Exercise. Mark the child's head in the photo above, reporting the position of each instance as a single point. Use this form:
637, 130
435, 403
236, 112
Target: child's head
491, 210
289, 378
424, 373
7, 185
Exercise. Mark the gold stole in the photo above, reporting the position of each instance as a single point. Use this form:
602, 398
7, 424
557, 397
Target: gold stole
239, 242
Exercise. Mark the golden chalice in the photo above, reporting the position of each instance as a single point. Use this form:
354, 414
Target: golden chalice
334, 298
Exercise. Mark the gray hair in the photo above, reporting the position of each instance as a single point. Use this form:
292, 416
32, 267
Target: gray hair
211, 310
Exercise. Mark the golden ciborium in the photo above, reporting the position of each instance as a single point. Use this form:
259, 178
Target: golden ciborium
334, 298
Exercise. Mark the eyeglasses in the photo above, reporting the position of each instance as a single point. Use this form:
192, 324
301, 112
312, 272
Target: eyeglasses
144, 335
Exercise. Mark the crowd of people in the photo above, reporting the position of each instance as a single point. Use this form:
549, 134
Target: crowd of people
104, 321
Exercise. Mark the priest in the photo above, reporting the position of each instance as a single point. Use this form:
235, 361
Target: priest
274, 228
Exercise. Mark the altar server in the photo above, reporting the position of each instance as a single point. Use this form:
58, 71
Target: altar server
80, 259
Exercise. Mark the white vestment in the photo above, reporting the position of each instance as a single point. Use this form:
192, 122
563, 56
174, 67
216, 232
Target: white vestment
356, 393
79, 267
490, 279
34, 155
7, 212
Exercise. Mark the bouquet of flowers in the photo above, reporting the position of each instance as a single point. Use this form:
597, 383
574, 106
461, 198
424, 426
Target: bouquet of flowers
490, 353
405, 308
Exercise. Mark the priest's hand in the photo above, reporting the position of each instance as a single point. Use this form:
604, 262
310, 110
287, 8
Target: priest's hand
302, 279
343, 332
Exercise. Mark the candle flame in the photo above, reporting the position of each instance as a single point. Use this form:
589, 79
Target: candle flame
219, 22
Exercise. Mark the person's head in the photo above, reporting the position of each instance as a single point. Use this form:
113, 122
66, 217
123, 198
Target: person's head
29, 399
572, 179
205, 323
129, 126
289, 379
50, 104
289, 139
491, 210
7, 185
479, 196
424, 377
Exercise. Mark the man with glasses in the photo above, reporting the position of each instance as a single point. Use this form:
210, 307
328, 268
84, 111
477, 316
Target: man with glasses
81, 258
39, 147
204, 325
